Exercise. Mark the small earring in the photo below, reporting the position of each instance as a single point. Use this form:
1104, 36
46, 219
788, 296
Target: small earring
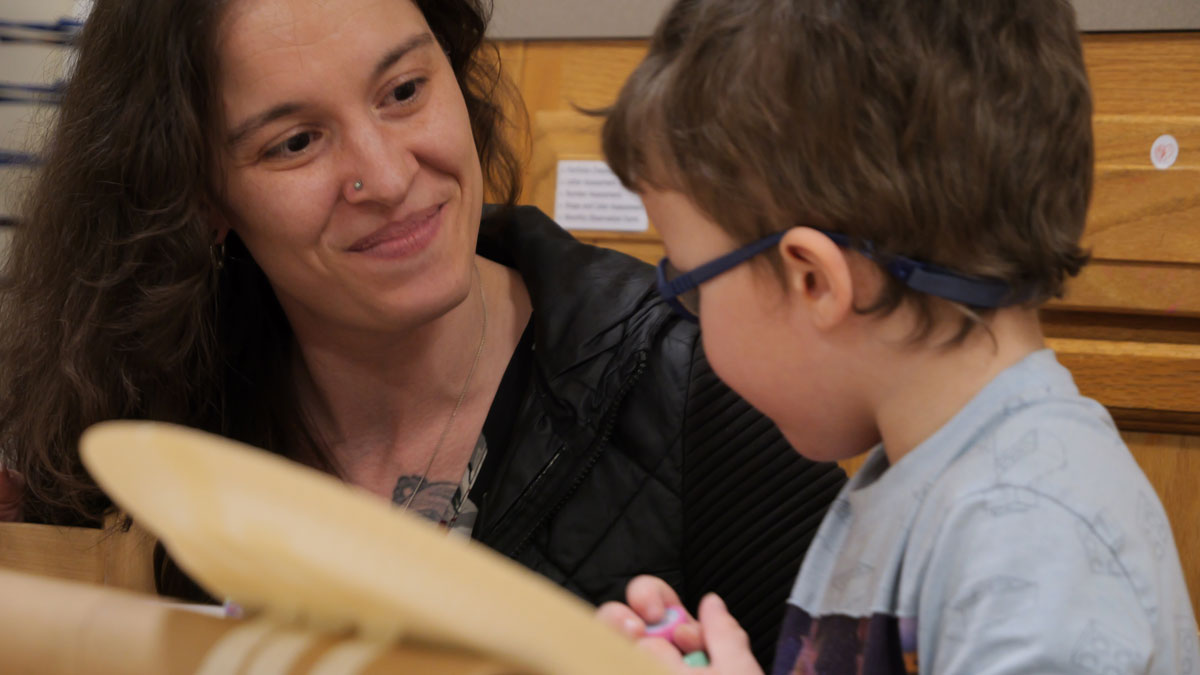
217, 253
358, 186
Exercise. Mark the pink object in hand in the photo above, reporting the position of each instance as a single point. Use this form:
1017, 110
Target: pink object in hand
675, 617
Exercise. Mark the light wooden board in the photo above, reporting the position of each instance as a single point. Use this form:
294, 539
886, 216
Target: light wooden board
54, 627
111, 556
1144, 74
63, 552
1165, 289
310, 551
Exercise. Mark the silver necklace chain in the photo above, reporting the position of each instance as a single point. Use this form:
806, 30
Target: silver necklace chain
462, 395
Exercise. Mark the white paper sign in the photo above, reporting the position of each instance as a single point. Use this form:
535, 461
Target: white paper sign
589, 196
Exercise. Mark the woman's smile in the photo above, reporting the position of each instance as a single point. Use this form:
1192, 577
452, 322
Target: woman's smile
403, 237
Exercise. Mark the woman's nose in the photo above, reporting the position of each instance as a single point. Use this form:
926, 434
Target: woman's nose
380, 167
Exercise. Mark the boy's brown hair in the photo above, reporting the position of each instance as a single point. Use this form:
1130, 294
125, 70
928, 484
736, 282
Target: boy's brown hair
956, 132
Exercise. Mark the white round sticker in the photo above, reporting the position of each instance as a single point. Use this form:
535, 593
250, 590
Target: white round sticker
1164, 152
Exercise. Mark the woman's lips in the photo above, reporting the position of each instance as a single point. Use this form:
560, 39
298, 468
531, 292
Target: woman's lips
403, 237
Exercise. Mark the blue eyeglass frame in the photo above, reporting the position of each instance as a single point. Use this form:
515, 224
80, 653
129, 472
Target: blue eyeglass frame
920, 276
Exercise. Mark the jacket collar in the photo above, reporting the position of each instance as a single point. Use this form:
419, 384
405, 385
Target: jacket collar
595, 312
585, 299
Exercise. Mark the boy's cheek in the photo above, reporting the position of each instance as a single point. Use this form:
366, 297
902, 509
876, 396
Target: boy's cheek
741, 364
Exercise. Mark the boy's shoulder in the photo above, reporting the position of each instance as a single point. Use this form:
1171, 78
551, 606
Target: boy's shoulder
1047, 461
1049, 466
1050, 476
1041, 437
1044, 525
1063, 451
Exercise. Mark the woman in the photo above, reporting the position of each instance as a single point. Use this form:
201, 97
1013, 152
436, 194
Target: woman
264, 219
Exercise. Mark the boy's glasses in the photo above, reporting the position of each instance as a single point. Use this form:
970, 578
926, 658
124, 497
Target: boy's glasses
682, 290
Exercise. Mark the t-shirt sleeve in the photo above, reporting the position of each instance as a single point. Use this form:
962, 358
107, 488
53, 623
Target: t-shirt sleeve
1015, 582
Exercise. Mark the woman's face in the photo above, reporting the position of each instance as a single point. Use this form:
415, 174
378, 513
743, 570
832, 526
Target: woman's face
317, 96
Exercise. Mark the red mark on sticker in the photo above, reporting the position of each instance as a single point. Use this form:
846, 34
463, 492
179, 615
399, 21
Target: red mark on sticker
1164, 152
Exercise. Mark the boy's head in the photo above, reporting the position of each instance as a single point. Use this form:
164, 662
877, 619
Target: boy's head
956, 132
952, 132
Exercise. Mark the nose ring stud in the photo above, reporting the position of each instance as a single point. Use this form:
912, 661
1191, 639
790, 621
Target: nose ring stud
358, 186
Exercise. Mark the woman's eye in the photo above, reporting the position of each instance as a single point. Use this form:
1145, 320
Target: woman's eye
294, 145
406, 92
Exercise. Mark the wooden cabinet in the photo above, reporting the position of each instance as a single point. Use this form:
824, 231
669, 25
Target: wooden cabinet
1144, 224
1129, 326
556, 81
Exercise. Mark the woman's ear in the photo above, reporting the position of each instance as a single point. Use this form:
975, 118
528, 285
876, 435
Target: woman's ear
818, 277
220, 225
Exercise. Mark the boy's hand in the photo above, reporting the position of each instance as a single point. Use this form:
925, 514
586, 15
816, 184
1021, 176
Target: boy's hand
718, 632
648, 599
728, 645
12, 493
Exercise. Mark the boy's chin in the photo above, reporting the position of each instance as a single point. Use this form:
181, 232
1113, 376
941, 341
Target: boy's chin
830, 447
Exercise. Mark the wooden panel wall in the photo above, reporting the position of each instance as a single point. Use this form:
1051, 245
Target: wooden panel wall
556, 79
113, 556
1129, 327
1144, 228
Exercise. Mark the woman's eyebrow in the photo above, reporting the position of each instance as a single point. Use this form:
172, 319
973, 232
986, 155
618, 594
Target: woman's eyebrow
241, 131
400, 51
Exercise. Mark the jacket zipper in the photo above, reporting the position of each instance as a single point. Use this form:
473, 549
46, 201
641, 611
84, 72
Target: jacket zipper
606, 429
530, 487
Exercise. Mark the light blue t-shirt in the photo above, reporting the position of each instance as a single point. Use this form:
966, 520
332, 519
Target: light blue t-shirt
1020, 538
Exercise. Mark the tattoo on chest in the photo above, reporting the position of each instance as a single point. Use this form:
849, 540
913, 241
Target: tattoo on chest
432, 499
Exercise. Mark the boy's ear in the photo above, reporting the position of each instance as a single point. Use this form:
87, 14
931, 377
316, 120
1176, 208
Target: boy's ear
818, 276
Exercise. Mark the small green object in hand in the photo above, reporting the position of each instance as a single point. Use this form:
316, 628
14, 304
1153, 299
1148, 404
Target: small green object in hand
696, 659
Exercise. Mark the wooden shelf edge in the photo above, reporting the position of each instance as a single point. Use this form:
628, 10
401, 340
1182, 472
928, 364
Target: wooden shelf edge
1155, 421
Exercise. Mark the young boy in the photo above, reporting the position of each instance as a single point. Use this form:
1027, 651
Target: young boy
865, 201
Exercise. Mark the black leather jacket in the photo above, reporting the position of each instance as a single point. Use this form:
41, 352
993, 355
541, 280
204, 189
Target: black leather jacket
628, 456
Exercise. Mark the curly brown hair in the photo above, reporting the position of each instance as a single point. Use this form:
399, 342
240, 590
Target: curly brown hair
112, 303
953, 131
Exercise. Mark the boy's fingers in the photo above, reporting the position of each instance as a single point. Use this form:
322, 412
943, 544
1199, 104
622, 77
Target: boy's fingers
728, 645
665, 653
649, 597
622, 618
689, 638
